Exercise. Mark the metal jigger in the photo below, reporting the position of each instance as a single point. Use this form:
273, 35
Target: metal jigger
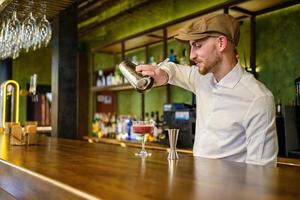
173, 135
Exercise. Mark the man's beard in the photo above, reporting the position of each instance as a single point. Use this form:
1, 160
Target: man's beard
208, 67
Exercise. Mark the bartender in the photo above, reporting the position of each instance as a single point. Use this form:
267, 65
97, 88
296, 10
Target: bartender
235, 112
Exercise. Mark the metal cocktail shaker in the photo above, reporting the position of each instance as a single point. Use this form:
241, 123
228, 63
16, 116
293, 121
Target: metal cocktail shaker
139, 82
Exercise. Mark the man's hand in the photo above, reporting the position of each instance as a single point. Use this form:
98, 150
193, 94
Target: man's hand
160, 77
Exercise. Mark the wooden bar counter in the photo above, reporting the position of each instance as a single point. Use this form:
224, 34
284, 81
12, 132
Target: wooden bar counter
73, 169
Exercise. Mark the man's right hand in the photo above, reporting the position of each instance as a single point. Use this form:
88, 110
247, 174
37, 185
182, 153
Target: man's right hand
160, 77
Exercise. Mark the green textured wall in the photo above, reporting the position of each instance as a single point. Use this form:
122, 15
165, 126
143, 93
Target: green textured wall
278, 51
103, 61
154, 14
244, 43
34, 62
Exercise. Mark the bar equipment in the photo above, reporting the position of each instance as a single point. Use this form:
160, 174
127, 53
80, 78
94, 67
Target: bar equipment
32, 88
297, 86
11, 89
173, 136
180, 116
297, 107
288, 138
138, 81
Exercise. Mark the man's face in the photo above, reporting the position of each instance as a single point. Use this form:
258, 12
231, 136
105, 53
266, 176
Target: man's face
205, 55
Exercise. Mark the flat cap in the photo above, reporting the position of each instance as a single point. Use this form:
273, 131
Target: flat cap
211, 25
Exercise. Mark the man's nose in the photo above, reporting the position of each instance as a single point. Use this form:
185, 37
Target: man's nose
192, 54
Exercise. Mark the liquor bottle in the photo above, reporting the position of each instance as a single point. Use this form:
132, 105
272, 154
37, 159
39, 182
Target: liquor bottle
159, 127
183, 59
135, 60
151, 138
129, 125
113, 120
119, 125
152, 61
152, 116
173, 56
160, 58
146, 116
118, 76
157, 121
280, 129
279, 108
99, 81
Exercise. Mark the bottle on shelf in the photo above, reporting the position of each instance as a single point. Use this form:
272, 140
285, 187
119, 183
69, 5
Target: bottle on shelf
96, 126
173, 56
158, 124
157, 121
152, 60
278, 108
135, 60
118, 76
129, 128
183, 59
152, 116
160, 58
109, 79
147, 116
100, 79
113, 120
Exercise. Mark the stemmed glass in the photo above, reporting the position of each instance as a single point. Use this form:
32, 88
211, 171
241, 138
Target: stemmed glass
45, 32
16, 35
29, 31
14, 30
142, 128
44, 27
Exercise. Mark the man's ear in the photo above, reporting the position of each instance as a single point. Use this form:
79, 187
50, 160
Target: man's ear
222, 43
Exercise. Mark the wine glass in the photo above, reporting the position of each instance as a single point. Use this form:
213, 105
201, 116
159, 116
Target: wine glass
142, 128
45, 32
29, 30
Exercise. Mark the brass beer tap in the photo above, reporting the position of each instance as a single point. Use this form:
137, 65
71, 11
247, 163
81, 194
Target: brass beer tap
9, 88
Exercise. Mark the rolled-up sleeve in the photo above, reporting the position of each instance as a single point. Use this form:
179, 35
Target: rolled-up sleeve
261, 136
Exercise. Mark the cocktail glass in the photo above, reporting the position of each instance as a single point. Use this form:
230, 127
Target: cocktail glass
142, 128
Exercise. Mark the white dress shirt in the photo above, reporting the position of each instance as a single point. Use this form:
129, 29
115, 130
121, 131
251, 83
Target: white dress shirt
235, 116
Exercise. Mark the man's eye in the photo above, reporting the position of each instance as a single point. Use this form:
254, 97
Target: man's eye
197, 45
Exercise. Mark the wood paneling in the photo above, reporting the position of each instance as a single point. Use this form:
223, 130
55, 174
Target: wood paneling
64, 83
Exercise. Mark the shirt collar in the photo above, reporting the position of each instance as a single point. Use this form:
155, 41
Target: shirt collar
232, 78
